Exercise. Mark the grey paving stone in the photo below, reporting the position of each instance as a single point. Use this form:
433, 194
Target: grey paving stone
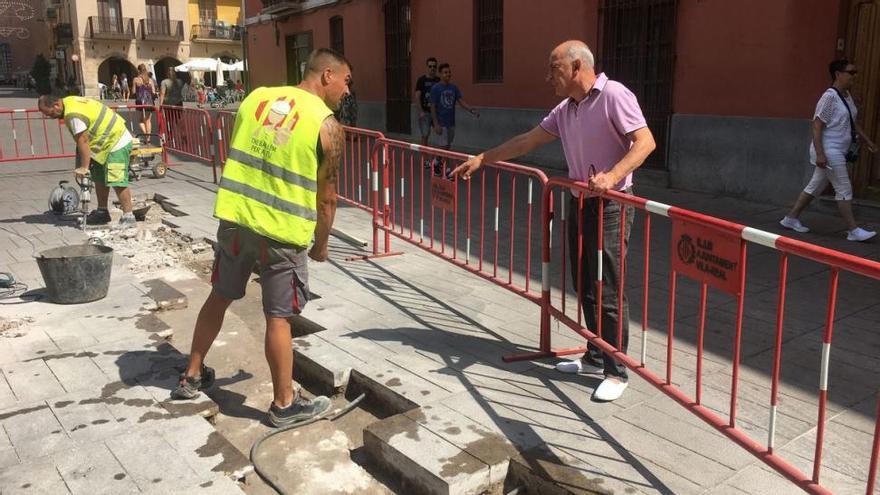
8, 457
203, 448
670, 427
151, 462
92, 469
40, 477
77, 372
32, 381
213, 486
85, 417
425, 461
694, 467
323, 362
492, 449
34, 430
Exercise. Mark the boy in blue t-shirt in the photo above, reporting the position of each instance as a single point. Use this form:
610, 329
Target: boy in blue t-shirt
444, 97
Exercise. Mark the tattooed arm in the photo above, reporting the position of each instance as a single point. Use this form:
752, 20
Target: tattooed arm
332, 142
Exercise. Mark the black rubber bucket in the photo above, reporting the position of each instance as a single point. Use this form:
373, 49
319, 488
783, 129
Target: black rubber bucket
76, 274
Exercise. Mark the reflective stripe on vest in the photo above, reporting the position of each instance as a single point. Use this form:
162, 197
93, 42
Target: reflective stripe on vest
269, 182
104, 133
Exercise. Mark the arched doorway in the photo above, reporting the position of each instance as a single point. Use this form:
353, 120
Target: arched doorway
161, 68
115, 65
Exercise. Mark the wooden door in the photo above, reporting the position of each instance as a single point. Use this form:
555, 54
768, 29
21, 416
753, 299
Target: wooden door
863, 49
298, 47
157, 17
398, 51
109, 16
638, 49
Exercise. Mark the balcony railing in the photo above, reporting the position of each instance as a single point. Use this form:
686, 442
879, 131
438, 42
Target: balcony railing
161, 30
113, 28
215, 32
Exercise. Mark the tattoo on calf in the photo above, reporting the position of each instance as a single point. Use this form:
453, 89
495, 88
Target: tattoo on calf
333, 148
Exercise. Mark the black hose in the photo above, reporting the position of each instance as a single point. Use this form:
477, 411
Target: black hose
345, 410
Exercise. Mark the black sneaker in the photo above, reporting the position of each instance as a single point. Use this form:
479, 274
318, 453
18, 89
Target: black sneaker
189, 386
300, 409
98, 217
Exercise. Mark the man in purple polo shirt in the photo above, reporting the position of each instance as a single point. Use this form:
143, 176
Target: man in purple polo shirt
605, 138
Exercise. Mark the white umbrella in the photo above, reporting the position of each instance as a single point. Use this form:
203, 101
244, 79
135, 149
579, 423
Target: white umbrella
234, 67
220, 81
198, 64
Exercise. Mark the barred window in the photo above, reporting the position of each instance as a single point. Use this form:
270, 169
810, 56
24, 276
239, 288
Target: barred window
337, 37
489, 34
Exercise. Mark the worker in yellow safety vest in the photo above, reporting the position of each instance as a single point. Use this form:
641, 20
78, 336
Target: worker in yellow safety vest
103, 146
278, 191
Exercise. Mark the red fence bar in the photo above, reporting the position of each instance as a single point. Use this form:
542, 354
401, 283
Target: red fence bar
356, 173
190, 132
26, 132
224, 125
424, 208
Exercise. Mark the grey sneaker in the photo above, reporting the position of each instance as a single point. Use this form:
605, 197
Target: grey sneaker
189, 386
98, 217
300, 409
127, 221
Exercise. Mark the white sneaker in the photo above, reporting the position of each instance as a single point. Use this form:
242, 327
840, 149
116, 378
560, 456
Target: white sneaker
794, 224
578, 366
610, 389
859, 234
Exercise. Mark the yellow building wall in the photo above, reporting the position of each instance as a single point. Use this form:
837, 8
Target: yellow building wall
228, 11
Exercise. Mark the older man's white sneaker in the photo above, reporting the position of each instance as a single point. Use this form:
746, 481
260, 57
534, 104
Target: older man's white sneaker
794, 224
578, 366
859, 234
610, 389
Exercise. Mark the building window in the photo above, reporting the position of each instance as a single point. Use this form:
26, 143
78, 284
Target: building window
157, 20
337, 39
207, 11
489, 34
298, 46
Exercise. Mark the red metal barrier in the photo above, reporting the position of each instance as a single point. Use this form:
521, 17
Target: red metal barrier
190, 132
448, 217
224, 125
360, 155
25, 134
713, 253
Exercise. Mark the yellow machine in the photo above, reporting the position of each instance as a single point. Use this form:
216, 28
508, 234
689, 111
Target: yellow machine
144, 153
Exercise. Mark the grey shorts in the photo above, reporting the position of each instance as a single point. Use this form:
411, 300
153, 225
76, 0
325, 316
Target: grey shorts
284, 274
447, 137
425, 124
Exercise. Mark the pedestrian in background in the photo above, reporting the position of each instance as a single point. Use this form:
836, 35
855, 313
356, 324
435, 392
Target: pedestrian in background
423, 96
126, 89
444, 97
143, 95
605, 138
835, 145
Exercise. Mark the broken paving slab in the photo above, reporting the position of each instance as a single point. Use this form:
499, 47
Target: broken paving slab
395, 389
203, 448
426, 463
165, 296
320, 362
491, 448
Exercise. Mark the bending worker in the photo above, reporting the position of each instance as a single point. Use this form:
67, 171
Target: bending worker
103, 147
278, 189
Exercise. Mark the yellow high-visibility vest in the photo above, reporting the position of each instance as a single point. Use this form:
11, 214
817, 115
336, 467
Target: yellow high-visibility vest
105, 126
270, 180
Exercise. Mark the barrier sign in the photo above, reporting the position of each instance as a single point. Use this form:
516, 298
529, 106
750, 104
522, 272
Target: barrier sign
442, 193
707, 255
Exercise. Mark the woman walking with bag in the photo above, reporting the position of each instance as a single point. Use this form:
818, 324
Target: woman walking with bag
143, 95
835, 145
